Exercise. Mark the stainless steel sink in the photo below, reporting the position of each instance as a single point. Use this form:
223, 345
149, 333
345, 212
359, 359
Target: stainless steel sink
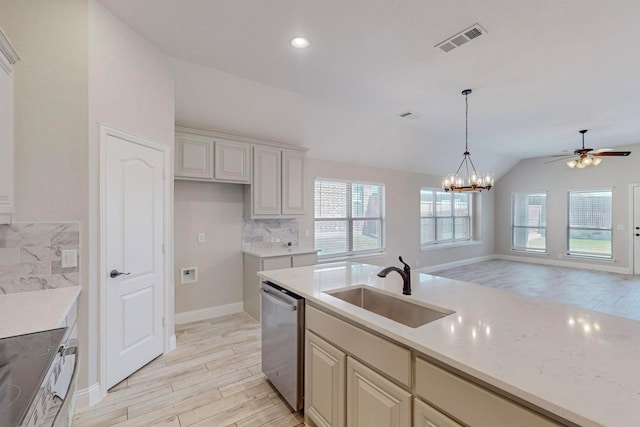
396, 309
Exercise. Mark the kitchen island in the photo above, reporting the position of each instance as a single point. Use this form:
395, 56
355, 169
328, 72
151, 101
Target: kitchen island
567, 363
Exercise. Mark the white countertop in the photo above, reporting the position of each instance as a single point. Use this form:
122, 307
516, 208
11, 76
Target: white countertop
579, 364
27, 312
279, 251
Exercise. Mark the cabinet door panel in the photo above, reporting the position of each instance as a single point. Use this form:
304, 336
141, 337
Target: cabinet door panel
304, 259
292, 183
232, 161
194, 157
267, 181
374, 401
324, 383
426, 416
276, 263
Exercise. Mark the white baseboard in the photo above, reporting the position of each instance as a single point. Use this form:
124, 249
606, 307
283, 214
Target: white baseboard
597, 266
88, 396
454, 264
172, 342
208, 313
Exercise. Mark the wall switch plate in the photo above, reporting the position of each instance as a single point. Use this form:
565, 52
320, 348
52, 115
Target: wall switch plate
69, 258
201, 238
188, 275
621, 227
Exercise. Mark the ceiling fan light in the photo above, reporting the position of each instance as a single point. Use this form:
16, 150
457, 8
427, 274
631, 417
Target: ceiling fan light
580, 165
572, 163
587, 161
596, 162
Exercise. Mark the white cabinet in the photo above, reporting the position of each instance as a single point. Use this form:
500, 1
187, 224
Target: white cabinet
277, 189
426, 416
232, 161
253, 262
324, 382
266, 191
8, 57
204, 156
194, 157
374, 401
292, 183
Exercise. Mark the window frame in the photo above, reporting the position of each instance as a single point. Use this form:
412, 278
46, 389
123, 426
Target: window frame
593, 255
453, 216
349, 219
513, 226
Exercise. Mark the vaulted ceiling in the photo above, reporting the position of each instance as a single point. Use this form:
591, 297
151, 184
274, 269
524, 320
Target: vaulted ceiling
544, 69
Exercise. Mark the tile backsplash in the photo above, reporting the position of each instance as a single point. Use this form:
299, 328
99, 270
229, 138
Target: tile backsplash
30, 256
268, 233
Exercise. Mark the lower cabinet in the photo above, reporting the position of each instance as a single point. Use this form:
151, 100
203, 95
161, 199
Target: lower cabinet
343, 389
251, 282
374, 401
324, 383
426, 416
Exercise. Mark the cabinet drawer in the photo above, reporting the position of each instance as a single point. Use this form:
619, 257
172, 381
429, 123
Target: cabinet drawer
304, 259
426, 416
393, 360
276, 263
471, 403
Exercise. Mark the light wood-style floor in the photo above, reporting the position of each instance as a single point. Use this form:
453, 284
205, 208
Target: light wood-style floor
617, 294
213, 378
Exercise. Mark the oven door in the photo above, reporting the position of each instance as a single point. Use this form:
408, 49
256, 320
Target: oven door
63, 390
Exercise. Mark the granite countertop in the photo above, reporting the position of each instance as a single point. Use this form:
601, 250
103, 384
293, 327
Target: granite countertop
27, 312
576, 363
279, 251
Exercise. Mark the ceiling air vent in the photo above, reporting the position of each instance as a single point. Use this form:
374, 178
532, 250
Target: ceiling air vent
461, 38
409, 115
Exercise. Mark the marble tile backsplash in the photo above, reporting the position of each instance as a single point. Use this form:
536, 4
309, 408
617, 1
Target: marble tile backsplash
268, 233
31, 253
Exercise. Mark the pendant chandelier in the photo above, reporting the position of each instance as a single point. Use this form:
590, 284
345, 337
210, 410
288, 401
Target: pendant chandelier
467, 179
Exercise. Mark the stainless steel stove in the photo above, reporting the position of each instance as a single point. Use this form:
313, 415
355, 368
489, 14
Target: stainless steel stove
36, 371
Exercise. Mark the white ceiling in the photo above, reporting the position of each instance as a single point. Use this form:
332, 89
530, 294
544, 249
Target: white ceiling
544, 70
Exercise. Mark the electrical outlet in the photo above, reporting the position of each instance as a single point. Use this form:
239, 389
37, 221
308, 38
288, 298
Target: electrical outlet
201, 238
69, 258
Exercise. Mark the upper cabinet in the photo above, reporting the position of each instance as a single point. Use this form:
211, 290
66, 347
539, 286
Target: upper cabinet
8, 57
205, 156
275, 172
277, 190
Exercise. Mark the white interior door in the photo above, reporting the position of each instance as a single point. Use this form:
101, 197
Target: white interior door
636, 229
133, 191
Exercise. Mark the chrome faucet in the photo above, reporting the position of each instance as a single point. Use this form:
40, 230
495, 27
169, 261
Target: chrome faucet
405, 273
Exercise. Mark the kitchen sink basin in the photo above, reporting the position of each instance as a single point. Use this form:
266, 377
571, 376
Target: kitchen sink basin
396, 309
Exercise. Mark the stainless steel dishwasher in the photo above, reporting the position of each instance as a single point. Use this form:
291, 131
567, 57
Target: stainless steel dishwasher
283, 342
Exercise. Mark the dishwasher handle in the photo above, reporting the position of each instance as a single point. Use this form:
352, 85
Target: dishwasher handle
278, 301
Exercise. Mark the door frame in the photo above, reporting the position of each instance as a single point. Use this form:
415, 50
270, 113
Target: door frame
632, 259
168, 335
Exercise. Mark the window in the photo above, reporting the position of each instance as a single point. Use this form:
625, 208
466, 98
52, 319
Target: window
349, 218
444, 217
529, 222
589, 232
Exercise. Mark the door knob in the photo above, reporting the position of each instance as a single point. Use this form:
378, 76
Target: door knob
116, 273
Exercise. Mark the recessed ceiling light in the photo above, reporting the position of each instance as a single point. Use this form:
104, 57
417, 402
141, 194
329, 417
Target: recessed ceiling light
299, 42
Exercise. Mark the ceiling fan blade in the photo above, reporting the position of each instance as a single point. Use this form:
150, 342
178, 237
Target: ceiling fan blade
611, 153
558, 160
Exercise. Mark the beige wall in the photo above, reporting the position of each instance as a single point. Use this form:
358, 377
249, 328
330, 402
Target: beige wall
216, 210
130, 88
402, 214
556, 178
51, 121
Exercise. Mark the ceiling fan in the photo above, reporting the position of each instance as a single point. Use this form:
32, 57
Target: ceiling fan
588, 156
